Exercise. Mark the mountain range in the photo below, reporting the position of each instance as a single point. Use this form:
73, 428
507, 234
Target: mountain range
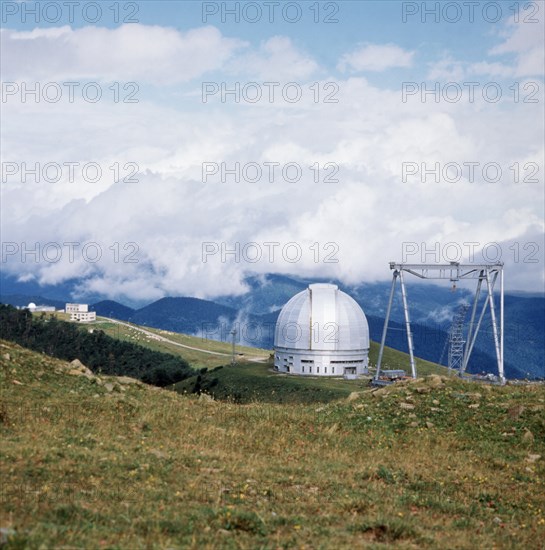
254, 315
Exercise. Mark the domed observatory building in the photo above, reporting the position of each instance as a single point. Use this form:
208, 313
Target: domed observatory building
322, 331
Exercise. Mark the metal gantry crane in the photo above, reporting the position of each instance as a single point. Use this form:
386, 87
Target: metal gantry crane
454, 271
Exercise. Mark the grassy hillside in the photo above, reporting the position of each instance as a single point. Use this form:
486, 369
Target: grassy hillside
99, 462
392, 358
246, 382
251, 379
197, 359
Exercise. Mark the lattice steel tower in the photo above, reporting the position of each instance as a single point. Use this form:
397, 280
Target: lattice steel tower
456, 339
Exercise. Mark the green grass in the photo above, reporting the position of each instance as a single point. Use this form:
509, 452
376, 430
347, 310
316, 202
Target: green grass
257, 382
197, 359
252, 379
247, 382
440, 463
392, 358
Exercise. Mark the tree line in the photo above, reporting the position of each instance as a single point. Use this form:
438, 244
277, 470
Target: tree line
98, 351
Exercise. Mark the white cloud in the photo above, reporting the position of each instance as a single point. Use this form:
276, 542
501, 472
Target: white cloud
276, 59
446, 69
134, 52
368, 213
526, 41
148, 54
522, 50
493, 70
376, 58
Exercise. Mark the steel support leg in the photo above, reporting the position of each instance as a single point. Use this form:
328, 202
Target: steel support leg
407, 324
502, 373
495, 331
476, 332
385, 329
471, 324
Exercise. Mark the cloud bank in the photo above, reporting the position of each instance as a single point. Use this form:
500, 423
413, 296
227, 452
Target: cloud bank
340, 202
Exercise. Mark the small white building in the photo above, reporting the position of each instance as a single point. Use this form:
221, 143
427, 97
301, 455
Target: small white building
80, 312
33, 307
322, 331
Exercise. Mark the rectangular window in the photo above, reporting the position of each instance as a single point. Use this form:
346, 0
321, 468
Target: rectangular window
317, 370
310, 370
303, 368
325, 370
332, 370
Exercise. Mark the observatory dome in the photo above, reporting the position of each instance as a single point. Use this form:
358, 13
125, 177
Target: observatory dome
32, 305
322, 331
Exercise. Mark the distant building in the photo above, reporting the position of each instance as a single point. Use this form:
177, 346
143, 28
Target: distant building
80, 312
322, 332
33, 307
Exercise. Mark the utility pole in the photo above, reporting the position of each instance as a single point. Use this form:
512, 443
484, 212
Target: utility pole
233, 334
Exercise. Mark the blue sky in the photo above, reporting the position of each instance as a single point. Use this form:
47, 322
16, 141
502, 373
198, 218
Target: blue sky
358, 21
374, 145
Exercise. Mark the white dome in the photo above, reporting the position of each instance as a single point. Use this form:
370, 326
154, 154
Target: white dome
322, 318
32, 305
322, 332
